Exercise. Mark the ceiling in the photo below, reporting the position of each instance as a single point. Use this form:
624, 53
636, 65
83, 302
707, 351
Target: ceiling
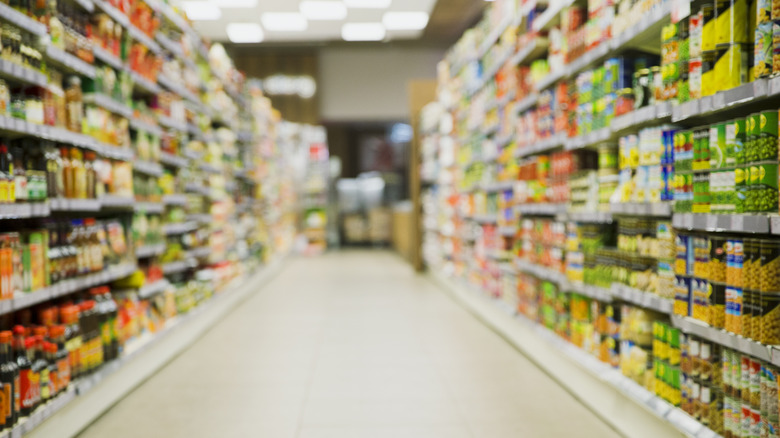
448, 19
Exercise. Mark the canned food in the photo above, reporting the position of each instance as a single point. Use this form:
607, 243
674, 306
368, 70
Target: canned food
734, 309
701, 256
725, 362
763, 11
731, 65
745, 378
731, 17
752, 125
770, 375
700, 299
682, 296
776, 47
717, 316
763, 50
734, 261
754, 387
717, 411
718, 153
708, 78
708, 27
736, 134
763, 194
763, 145
769, 271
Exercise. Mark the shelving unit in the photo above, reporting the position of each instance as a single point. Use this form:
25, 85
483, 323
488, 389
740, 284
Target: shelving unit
161, 224
558, 157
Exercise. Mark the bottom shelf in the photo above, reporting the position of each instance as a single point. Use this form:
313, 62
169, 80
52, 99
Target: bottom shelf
88, 398
617, 400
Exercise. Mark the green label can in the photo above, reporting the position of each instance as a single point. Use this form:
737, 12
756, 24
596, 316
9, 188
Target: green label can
762, 195
766, 136
718, 146
751, 124
741, 188
735, 142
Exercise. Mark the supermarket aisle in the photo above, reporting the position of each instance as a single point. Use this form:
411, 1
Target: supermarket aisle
351, 344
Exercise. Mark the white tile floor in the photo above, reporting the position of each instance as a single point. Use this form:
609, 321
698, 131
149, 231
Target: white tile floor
351, 344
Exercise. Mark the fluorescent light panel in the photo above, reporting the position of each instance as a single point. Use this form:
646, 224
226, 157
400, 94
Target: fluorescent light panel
245, 32
284, 22
405, 20
368, 4
363, 32
323, 10
235, 3
201, 11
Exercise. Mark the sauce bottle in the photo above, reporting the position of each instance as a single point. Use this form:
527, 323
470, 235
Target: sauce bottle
74, 104
41, 365
9, 379
67, 173
79, 174
62, 364
34, 393
6, 175
26, 395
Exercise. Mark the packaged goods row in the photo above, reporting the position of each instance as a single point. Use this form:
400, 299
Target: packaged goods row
604, 168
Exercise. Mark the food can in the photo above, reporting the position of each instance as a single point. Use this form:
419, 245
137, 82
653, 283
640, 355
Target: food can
731, 65
682, 295
731, 21
765, 146
735, 142
768, 277
717, 270
770, 375
776, 47
755, 382
763, 50
708, 27
741, 187
763, 11
752, 290
718, 152
752, 124
763, 194
738, 261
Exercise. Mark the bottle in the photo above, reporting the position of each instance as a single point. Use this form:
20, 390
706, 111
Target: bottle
113, 324
58, 336
67, 174
9, 379
20, 175
31, 348
86, 313
26, 395
74, 102
6, 175
41, 365
91, 175
50, 350
79, 174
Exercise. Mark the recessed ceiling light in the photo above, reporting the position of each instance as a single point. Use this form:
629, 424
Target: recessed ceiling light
323, 10
405, 20
245, 32
368, 4
201, 11
363, 32
236, 3
284, 21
